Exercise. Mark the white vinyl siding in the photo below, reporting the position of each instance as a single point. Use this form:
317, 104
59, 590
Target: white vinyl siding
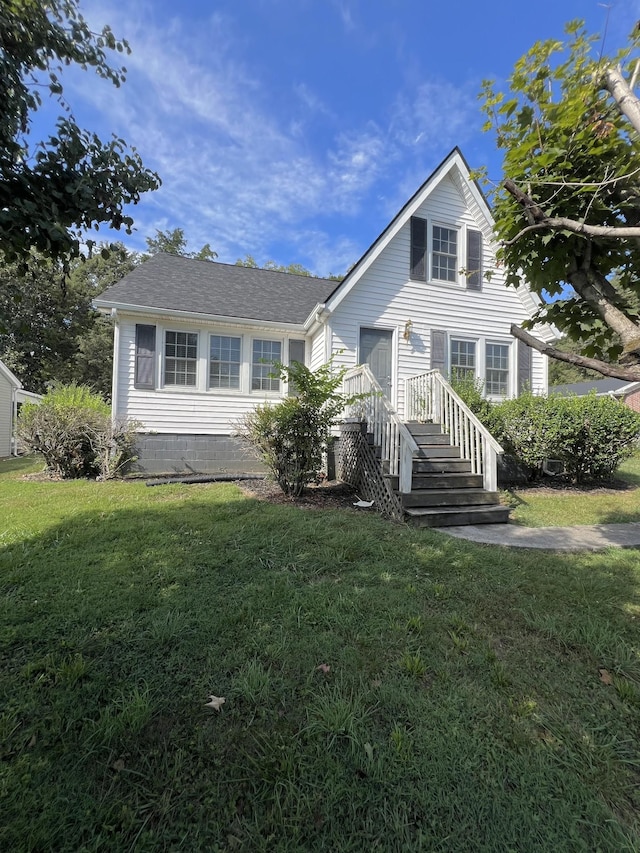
385, 297
6, 415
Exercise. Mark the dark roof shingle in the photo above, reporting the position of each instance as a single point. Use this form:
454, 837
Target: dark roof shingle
175, 283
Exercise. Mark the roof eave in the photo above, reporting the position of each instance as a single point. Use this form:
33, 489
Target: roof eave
107, 307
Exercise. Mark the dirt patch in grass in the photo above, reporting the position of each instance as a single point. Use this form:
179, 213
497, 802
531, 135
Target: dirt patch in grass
330, 494
559, 487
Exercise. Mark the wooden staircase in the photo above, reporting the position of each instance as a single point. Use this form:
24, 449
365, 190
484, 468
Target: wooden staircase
444, 492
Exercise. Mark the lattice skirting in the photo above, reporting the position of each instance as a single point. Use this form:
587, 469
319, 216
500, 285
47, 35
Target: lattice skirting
357, 465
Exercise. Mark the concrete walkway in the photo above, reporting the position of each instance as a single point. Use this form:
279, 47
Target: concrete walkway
594, 537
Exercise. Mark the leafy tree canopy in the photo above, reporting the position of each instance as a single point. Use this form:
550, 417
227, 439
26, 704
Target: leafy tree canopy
568, 210
293, 269
53, 190
175, 243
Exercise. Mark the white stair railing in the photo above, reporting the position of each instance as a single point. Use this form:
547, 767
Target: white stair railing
430, 399
396, 443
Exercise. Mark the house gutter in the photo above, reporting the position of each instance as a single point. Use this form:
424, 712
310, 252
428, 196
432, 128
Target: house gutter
204, 319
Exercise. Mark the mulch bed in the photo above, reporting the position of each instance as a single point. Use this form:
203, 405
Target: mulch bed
330, 494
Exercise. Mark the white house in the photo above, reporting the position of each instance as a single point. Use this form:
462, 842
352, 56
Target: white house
194, 339
12, 395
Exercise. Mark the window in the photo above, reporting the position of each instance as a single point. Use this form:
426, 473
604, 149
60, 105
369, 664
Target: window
265, 353
444, 255
497, 370
180, 358
463, 360
224, 361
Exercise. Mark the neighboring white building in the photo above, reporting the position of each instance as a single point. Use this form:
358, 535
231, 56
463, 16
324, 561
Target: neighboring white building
193, 339
12, 394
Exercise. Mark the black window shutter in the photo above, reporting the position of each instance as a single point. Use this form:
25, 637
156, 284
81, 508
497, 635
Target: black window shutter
524, 367
296, 353
145, 367
418, 269
474, 259
438, 350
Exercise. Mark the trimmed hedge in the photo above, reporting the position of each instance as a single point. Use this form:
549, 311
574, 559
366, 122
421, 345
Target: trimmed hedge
590, 435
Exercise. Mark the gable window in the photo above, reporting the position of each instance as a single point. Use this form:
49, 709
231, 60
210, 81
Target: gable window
264, 354
444, 254
180, 358
463, 360
224, 361
497, 370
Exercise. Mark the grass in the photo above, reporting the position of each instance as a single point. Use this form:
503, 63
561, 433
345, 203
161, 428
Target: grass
551, 507
386, 689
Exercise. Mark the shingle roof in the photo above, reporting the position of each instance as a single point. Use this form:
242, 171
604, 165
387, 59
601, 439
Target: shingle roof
175, 283
600, 386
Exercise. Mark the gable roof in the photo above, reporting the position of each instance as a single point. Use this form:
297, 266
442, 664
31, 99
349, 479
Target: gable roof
617, 387
184, 285
453, 163
11, 378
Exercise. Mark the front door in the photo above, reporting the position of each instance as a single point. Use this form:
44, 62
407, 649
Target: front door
376, 349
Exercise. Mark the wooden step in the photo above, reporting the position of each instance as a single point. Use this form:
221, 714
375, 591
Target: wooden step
419, 429
448, 517
454, 480
449, 497
436, 451
439, 438
443, 465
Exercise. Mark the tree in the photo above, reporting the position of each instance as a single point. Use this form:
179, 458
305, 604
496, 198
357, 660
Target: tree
292, 269
53, 190
175, 243
48, 330
568, 211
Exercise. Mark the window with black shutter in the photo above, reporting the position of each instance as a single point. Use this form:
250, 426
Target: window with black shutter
474, 259
145, 366
418, 268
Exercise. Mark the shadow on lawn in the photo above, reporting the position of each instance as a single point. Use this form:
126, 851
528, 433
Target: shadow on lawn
118, 623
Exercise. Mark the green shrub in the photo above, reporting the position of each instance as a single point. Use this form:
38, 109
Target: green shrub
291, 436
589, 435
72, 428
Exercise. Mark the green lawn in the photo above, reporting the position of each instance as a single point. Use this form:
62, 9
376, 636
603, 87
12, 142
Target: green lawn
475, 698
552, 507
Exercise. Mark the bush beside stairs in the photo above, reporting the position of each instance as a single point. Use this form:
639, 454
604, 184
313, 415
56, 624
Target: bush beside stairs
444, 492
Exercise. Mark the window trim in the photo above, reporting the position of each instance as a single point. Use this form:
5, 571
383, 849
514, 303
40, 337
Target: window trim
187, 386
216, 389
456, 229
277, 392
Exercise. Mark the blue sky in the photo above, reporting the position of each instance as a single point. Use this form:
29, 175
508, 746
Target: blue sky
294, 130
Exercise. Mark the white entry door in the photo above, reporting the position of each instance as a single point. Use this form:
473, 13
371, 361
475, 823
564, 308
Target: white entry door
376, 350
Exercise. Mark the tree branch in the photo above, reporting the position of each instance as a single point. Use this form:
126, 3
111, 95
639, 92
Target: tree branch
632, 374
628, 104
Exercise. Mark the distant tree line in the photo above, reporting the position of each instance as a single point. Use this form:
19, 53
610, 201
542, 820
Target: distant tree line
49, 333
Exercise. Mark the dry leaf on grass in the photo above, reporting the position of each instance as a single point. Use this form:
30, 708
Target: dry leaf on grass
605, 676
324, 667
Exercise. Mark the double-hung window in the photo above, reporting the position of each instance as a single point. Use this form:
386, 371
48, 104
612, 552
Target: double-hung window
444, 254
496, 370
463, 360
180, 358
225, 355
264, 354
